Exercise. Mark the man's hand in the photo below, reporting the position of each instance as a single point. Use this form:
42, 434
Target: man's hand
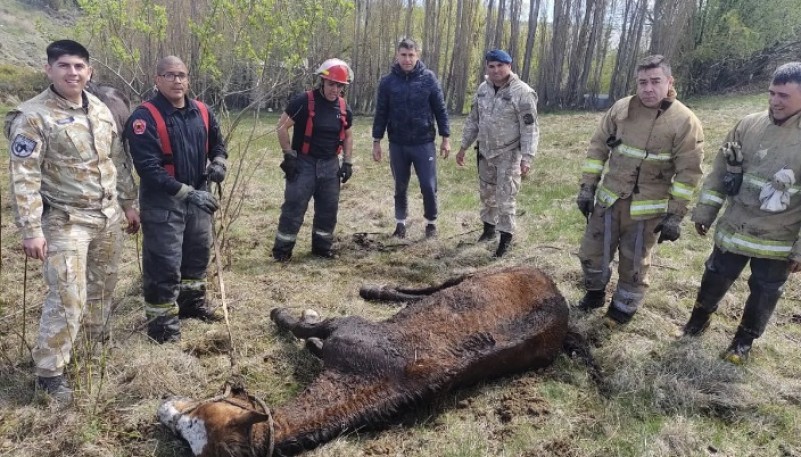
290, 165
585, 200
460, 157
203, 200
132, 216
669, 229
216, 169
345, 172
376, 151
445, 147
35, 248
524, 168
701, 228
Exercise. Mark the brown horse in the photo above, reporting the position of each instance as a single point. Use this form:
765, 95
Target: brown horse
473, 328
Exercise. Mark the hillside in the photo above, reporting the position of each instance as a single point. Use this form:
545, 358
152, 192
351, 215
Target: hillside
25, 31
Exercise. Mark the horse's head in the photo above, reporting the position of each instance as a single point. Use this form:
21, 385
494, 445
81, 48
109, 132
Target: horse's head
221, 426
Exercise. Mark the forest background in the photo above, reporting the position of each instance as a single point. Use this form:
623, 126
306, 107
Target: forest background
574, 53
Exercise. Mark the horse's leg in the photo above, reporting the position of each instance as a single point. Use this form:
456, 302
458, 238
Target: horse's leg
301, 328
401, 294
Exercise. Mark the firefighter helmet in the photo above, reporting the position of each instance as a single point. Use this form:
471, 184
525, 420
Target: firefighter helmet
335, 70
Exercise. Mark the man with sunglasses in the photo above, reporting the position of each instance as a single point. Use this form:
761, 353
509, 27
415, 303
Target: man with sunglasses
177, 148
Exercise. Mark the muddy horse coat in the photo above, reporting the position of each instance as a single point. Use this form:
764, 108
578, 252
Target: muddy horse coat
476, 327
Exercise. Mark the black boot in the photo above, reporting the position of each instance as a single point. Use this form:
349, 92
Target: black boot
55, 386
489, 233
504, 244
698, 323
740, 346
592, 299
164, 329
192, 304
400, 231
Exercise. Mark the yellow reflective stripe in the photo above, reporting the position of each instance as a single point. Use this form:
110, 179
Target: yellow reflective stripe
160, 309
593, 166
637, 153
681, 190
753, 245
711, 198
606, 197
648, 207
756, 181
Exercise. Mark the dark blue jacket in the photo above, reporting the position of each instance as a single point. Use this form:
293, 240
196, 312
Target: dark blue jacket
188, 141
407, 104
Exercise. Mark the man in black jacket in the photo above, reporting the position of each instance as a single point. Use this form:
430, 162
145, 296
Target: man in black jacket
408, 102
177, 147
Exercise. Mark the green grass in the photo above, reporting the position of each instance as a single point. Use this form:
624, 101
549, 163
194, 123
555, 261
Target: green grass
659, 395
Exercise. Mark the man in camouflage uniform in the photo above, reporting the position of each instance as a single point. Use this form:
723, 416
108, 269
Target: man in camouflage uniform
755, 175
71, 187
503, 119
652, 146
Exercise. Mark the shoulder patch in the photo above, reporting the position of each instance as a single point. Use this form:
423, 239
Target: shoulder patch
23, 146
139, 126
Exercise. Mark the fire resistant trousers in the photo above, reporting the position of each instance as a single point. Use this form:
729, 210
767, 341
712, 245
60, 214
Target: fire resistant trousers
766, 285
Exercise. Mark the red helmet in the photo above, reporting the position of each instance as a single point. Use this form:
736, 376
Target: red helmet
335, 70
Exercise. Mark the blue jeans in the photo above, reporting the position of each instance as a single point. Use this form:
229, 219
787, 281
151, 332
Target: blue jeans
424, 159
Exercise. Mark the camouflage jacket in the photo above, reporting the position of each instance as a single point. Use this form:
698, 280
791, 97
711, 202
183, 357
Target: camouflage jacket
504, 120
744, 228
651, 155
68, 157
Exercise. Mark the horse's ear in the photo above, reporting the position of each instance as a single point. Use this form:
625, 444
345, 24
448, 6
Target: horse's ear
248, 418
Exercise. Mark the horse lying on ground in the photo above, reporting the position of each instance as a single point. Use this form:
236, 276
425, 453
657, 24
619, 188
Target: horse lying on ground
473, 328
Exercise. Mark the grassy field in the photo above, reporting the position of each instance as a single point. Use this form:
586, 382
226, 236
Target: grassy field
658, 394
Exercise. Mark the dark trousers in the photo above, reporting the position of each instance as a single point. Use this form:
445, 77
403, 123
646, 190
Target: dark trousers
317, 178
766, 285
424, 159
175, 247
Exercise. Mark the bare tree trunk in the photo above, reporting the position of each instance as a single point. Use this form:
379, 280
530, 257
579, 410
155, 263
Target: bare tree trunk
499, 25
552, 66
514, 37
533, 15
409, 11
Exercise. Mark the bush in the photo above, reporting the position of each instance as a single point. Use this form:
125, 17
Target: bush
20, 83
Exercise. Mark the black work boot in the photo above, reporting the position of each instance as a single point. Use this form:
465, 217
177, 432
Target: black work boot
592, 299
489, 233
400, 231
698, 323
164, 329
615, 317
431, 231
738, 350
324, 253
504, 244
192, 304
55, 386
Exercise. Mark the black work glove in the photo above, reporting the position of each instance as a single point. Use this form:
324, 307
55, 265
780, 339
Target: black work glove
669, 229
345, 172
216, 169
586, 200
290, 165
203, 200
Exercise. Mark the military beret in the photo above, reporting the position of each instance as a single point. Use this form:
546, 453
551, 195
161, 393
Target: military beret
498, 55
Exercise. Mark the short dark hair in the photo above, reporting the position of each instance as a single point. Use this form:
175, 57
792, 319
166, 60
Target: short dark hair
408, 43
654, 61
60, 48
788, 73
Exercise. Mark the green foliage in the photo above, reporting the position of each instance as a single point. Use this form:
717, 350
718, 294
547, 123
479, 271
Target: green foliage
20, 82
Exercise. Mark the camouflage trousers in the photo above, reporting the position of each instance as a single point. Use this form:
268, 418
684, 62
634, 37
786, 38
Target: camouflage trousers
612, 229
498, 185
81, 272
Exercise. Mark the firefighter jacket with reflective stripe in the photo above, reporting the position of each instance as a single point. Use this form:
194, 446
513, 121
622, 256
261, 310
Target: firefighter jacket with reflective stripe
744, 228
651, 155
